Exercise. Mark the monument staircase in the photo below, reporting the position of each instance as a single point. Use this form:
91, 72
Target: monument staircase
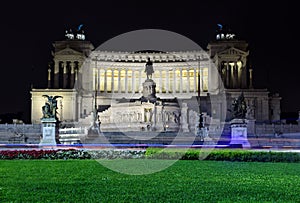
20, 134
147, 137
11, 138
87, 121
226, 135
86, 135
282, 141
77, 132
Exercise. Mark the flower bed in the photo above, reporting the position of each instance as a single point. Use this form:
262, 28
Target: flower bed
44, 154
72, 154
117, 154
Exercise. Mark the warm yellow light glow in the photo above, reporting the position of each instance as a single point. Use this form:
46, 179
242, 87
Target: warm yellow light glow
108, 80
184, 80
164, 79
116, 80
191, 81
101, 80
205, 79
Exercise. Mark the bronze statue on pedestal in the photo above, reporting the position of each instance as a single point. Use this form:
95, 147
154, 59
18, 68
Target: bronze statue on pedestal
50, 107
149, 69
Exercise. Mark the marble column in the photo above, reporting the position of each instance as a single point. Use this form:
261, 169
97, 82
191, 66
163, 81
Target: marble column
132, 82
126, 81
167, 81
56, 74
232, 80
72, 65
119, 81
160, 81
80, 72
195, 80
201, 78
180, 89
99, 79
227, 75
140, 81
236, 78
112, 81
188, 80
174, 81
105, 80
49, 77
76, 79
65, 75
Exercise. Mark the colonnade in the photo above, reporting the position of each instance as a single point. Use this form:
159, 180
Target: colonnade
65, 74
233, 74
168, 80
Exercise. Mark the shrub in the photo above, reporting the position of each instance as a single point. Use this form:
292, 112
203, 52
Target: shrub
223, 155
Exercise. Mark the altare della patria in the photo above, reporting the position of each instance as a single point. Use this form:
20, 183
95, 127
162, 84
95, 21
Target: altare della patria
151, 86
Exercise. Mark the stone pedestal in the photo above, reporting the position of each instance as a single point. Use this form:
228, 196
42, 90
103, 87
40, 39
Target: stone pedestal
50, 135
183, 118
239, 133
149, 91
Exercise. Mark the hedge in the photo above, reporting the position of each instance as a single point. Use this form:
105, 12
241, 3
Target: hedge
223, 155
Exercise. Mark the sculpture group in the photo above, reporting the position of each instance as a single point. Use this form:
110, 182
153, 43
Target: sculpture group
239, 107
50, 107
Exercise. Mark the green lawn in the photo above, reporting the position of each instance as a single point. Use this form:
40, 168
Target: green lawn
184, 181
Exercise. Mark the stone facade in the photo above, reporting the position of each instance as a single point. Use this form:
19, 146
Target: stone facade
88, 78
67, 105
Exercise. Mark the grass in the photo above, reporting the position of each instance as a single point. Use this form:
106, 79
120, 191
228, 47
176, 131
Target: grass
184, 181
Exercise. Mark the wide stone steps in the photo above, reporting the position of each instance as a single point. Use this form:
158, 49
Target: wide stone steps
25, 138
142, 138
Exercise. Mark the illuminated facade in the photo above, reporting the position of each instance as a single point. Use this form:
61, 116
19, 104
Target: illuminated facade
80, 74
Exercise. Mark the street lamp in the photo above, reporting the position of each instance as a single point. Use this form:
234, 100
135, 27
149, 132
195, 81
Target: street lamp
200, 126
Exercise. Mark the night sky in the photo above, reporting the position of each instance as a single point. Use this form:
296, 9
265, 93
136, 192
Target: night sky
28, 29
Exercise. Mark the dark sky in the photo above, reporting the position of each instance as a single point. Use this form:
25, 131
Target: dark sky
28, 29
